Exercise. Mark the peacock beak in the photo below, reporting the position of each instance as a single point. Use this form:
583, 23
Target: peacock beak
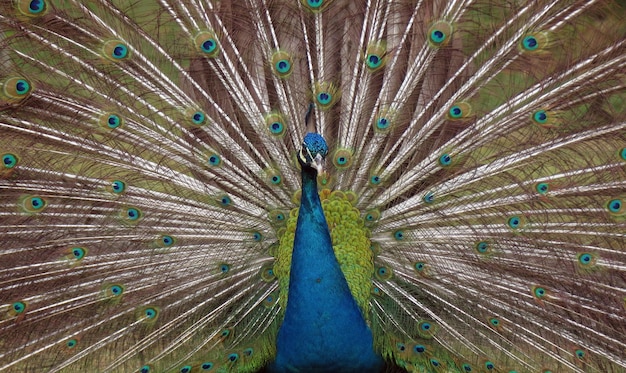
306, 158
318, 163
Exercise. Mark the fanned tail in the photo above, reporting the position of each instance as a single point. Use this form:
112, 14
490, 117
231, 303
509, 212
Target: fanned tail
149, 175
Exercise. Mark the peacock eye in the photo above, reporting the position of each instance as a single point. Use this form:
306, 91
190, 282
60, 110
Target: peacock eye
314, 4
530, 43
9, 160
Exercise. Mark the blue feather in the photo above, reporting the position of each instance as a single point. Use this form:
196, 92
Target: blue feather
323, 329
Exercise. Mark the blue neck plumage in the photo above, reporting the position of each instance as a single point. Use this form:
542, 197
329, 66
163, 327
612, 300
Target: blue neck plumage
323, 329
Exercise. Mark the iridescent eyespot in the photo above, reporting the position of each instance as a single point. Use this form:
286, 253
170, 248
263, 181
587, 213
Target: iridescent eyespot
326, 94
324, 98
115, 50
373, 61
427, 329
382, 123
515, 222
78, 253
167, 241
36, 203
539, 292
587, 260
224, 200
384, 273
116, 290
482, 247
224, 268
376, 291
32, 8
32, 204
437, 36
267, 274
269, 301
110, 121
283, 66
276, 124
118, 186
580, 354
455, 111
313, 4
9, 160
530, 43
198, 118
398, 235
542, 188
276, 127
540, 116
113, 121
18, 307
419, 349
120, 51
150, 313
22, 87
277, 217
214, 160
16, 89
132, 214
439, 33
445, 160
616, 206
207, 44
375, 179
372, 216
273, 176
342, 158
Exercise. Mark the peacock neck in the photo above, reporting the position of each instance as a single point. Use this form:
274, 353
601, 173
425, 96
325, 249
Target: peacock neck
323, 329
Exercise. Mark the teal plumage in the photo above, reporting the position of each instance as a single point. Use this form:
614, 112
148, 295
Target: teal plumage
321, 309
159, 211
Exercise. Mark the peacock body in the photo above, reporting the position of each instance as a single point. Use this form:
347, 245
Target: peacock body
312, 186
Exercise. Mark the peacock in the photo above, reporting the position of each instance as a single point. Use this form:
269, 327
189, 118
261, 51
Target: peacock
313, 186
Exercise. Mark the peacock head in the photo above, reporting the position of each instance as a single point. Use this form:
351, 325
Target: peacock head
313, 152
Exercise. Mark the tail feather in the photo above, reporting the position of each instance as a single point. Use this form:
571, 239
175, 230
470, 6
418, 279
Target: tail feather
149, 176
